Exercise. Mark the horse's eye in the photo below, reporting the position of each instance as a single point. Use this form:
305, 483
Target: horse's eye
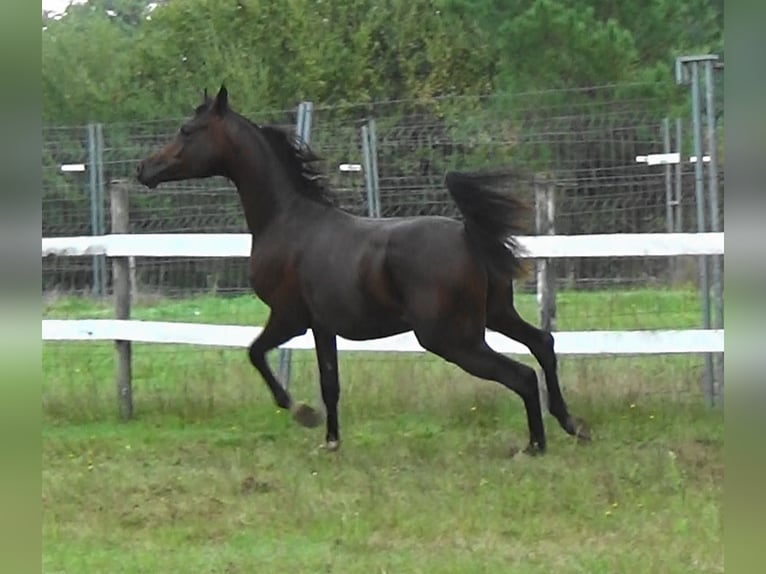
185, 131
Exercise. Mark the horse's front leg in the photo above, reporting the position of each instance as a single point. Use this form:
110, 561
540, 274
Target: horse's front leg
278, 330
327, 359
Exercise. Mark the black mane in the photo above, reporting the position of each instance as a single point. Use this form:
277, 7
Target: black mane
297, 158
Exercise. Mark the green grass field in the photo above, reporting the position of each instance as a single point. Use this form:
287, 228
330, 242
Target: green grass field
576, 310
210, 477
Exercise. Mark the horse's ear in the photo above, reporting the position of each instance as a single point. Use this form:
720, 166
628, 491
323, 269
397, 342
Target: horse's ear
221, 100
205, 97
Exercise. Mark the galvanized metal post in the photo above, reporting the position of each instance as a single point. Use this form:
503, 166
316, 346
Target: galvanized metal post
668, 176
370, 159
678, 198
304, 121
101, 200
367, 167
372, 133
668, 194
303, 131
683, 77
96, 193
714, 220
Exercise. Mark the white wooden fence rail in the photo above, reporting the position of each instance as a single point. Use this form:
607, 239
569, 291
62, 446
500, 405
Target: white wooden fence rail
567, 342
238, 245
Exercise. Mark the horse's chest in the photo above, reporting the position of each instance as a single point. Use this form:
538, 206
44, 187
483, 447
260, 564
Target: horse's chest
274, 280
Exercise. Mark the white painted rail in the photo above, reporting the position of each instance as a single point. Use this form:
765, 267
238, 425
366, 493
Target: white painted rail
567, 342
238, 245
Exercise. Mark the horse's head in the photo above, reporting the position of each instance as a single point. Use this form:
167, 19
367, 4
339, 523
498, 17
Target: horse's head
197, 149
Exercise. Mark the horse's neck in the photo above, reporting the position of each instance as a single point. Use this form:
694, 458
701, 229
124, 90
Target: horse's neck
266, 192
256, 187
268, 198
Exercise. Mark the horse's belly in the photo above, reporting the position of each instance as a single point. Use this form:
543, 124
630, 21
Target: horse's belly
356, 316
373, 329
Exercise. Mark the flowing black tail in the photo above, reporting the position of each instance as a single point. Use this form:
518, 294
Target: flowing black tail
491, 220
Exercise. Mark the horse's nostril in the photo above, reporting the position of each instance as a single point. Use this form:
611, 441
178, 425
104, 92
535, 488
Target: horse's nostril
139, 169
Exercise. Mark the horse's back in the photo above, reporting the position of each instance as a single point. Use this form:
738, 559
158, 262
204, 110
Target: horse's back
433, 246
432, 264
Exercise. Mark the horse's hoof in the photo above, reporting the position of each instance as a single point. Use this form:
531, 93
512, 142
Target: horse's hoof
307, 416
581, 431
534, 449
332, 445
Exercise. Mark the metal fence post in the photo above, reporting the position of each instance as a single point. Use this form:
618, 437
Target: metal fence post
669, 201
370, 159
372, 133
678, 201
367, 170
96, 191
668, 177
687, 71
714, 220
303, 131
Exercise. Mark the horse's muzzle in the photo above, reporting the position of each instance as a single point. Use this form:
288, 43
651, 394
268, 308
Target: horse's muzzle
142, 176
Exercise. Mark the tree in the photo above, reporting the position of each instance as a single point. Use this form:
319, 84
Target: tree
118, 59
84, 59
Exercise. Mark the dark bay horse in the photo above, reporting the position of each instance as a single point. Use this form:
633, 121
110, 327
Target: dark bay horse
323, 269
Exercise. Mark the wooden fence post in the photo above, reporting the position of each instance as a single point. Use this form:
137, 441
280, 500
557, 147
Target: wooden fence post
545, 213
120, 207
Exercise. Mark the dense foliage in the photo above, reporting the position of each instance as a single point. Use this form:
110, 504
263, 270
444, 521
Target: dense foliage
116, 60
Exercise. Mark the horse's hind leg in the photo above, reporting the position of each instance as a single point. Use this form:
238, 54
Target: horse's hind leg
480, 360
506, 320
278, 330
327, 359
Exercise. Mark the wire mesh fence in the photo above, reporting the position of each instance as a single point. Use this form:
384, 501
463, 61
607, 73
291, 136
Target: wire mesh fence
583, 141
582, 144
